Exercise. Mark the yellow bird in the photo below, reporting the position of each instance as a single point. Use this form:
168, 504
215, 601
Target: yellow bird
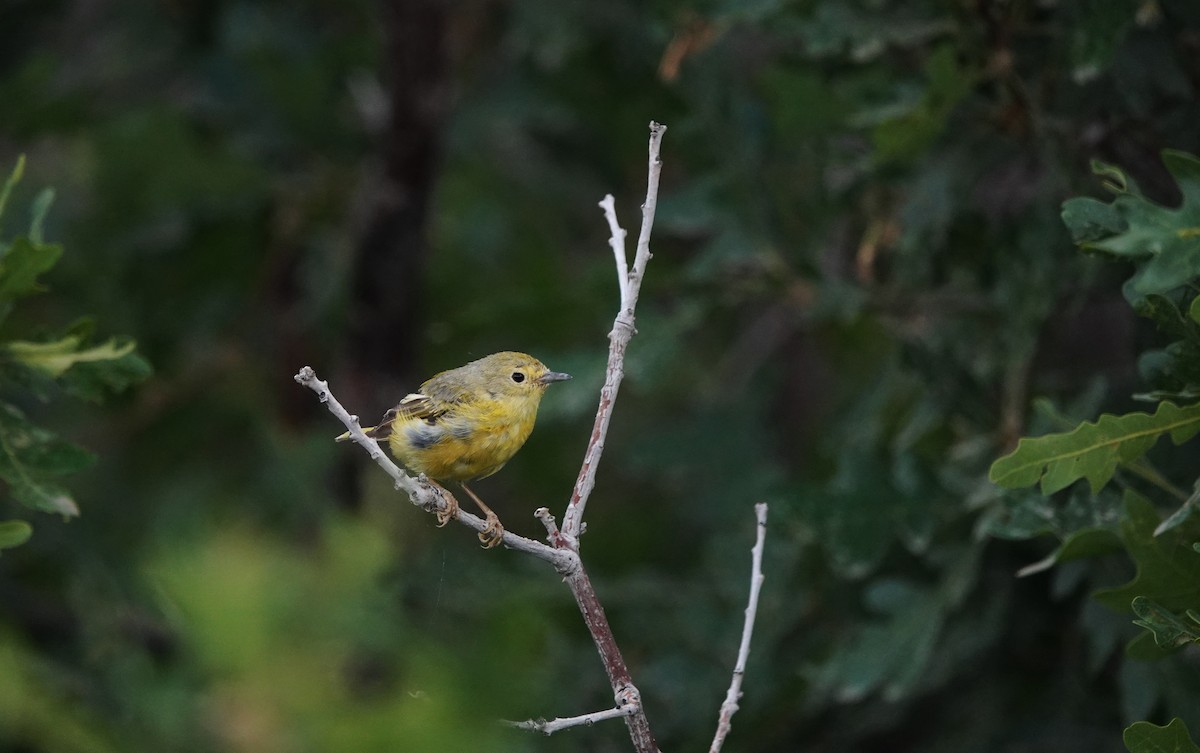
466, 423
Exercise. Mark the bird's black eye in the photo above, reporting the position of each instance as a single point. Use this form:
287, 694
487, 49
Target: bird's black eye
518, 377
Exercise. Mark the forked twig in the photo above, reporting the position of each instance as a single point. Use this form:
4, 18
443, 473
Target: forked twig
622, 331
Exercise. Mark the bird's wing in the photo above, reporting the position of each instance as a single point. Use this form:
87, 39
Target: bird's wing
415, 405
438, 395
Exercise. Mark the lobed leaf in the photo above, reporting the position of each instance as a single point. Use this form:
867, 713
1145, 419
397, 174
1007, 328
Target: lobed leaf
1144, 737
1093, 450
1163, 242
1168, 570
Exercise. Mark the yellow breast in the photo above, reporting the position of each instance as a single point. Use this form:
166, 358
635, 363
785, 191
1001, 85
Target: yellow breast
470, 442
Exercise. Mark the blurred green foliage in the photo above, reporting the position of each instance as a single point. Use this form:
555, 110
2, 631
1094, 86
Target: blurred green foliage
862, 294
33, 458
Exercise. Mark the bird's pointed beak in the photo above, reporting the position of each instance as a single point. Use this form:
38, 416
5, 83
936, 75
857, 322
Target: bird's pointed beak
553, 376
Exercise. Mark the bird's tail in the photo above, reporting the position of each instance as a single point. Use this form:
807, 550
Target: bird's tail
382, 431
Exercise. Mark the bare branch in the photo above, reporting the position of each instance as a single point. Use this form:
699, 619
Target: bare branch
420, 491
586, 720
622, 331
730, 706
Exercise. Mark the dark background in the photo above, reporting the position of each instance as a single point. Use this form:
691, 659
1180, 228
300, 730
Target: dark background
860, 283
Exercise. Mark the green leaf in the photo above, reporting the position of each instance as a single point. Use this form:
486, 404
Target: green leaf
14, 533
1168, 570
1163, 242
89, 372
54, 358
31, 458
1144, 737
1194, 309
1092, 450
1170, 631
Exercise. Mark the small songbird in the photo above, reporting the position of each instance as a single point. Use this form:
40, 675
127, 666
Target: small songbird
466, 423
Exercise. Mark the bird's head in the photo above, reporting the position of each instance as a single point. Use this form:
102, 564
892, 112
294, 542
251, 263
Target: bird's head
516, 374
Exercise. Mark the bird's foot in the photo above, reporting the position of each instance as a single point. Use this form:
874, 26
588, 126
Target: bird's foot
449, 512
493, 533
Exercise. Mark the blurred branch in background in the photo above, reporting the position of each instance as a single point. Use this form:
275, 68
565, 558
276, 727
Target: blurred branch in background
388, 288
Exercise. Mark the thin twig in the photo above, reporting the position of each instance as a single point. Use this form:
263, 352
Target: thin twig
617, 241
730, 706
622, 331
549, 727
422, 493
